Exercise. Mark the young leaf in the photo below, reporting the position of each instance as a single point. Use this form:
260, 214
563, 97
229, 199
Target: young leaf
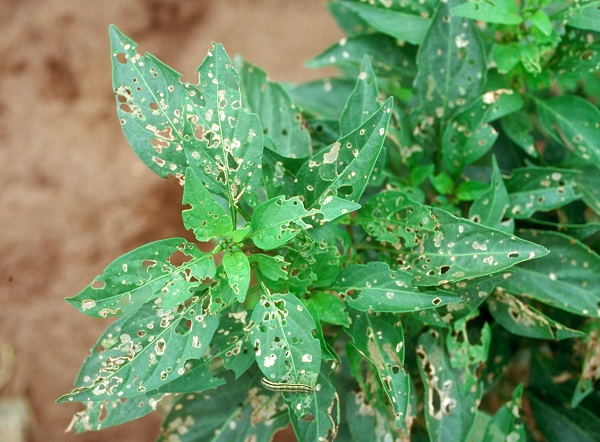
490, 209
282, 121
380, 339
225, 143
284, 347
524, 320
277, 221
143, 351
395, 23
149, 103
234, 412
566, 278
379, 289
237, 267
343, 169
532, 189
507, 422
206, 218
144, 274
574, 122
437, 247
451, 64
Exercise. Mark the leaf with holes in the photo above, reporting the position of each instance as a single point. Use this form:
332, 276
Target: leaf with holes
146, 273
284, 347
206, 218
522, 319
343, 168
574, 122
380, 339
279, 116
234, 412
437, 247
237, 267
590, 373
150, 105
508, 421
491, 208
224, 142
377, 288
271, 267
277, 221
532, 189
451, 64
144, 351
567, 278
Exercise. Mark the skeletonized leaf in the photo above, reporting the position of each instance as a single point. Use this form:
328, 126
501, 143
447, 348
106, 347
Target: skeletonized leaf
451, 64
284, 347
237, 411
366, 422
377, 288
395, 23
282, 121
437, 247
237, 267
590, 370
343, 168
380, 339
490, 209
498, 11
150, 106
532, 189
574, 122
507, 422
567, 278
143, 351
151, 271
522, 319
206, 218
225, 143
277, 221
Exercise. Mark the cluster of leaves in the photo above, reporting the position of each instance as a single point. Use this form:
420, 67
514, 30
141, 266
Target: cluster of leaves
406, 251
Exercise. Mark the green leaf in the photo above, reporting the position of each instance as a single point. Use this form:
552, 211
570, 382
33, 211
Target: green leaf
277, 221
468, 136
329, 308
507, 56
498, 11
367, 423
229, 351
107, 413
388, 58
379, 289
519, 127
522, 319
380, 339
143, 351
589, 370
451, 64
282, 121
284, 347
507, 422
334, 207
471, 190
149, 104
225, 143
532, 189
435, 246
235, 412
490, 209
583, 15
451, 392
397, 24
237, 267
146, 273
362, 102
343, 168
322, 98
588, 184
442, 183
574, 122
540, 20
271, 267
566, 278
279, 174
206, 218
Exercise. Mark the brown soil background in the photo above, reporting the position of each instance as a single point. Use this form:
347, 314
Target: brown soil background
73, 194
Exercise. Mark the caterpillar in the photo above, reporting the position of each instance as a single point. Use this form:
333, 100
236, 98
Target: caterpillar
287, 388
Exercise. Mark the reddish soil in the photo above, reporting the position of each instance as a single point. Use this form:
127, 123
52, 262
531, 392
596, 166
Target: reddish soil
74, 195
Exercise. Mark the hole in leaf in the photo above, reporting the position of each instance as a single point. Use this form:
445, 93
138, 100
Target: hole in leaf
121, 58
444, 269
98, 284
513, 255
179, 258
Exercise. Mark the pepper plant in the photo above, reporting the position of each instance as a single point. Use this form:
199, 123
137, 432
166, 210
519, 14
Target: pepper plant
407, 251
